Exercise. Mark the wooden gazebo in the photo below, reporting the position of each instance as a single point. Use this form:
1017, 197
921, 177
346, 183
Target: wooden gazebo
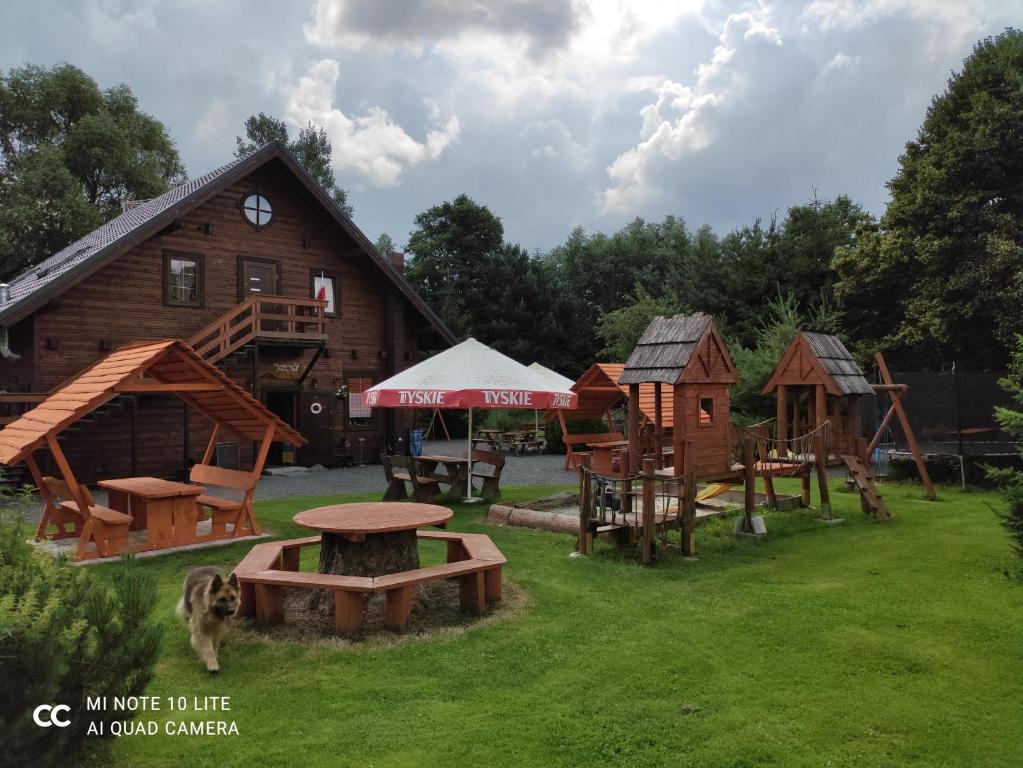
817, 380
689, 355
168, 367
599, 395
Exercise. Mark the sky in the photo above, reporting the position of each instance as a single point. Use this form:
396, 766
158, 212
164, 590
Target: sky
553, 113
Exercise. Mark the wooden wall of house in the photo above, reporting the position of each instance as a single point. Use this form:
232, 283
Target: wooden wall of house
125, 301
18, 375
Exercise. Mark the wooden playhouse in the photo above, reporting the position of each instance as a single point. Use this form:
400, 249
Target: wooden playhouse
688, 355
815, 381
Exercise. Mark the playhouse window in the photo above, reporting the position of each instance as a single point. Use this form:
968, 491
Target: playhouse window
706, 411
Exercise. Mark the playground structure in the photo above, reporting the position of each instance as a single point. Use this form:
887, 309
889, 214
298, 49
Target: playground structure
819, 381
653, 489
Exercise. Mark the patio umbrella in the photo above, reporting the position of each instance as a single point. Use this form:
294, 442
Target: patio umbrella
469, 375
554, 378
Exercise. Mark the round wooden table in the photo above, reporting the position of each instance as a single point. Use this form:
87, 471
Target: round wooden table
372, 538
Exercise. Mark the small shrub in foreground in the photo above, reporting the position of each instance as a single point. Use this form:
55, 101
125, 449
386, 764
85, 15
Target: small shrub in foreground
65, 636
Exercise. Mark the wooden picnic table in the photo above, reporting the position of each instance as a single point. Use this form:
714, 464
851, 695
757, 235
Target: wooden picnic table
605, 453
456, 474
165, 509
371, 538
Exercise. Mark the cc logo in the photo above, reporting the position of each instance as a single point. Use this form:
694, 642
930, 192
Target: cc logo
46, 715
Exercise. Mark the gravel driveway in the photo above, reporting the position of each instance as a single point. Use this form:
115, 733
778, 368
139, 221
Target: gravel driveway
528, 469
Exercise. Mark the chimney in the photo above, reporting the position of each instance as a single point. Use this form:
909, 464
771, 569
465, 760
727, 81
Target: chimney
5, 293
397, 259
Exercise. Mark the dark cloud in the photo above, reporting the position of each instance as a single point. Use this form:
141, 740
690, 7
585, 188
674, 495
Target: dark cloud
546, 23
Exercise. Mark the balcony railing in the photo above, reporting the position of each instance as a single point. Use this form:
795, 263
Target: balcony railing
261, 317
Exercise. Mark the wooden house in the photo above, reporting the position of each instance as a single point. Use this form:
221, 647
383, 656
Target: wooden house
687, 355
257, 268
815, 381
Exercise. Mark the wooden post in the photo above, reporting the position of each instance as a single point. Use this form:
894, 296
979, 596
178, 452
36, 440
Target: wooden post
211, 447
855, 419
649, 510
678, 429
797, 427
635, 448
781, 431
49, 506
68, 475
906, 429
658, 425
821, 407
820, 452
689, 504
568, 448
584, 543
804, 477
688, 532
749, 482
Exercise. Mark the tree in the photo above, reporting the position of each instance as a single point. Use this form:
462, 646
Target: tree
939, 279
312, 150
450, 246
1011, 421
385, 244
71, 156
755, 363
621, 329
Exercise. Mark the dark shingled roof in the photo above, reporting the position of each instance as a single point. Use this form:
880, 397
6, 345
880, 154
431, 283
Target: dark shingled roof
80, 251
37, 285
838, 363
664, 349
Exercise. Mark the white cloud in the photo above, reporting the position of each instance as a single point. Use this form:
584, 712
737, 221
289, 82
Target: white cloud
841, 61
502, 51
959, 19
214, 122
372, 144
681, 121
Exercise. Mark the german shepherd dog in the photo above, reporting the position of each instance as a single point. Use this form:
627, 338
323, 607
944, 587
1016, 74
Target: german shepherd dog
207, 602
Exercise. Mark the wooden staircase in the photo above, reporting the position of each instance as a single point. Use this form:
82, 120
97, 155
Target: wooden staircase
262, 318
870, 499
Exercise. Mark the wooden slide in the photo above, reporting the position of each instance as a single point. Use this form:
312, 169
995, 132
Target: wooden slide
870, 499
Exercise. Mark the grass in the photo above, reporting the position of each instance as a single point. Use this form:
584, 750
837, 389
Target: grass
852, 645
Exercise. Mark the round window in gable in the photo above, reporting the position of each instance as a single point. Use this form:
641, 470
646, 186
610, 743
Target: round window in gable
257, 210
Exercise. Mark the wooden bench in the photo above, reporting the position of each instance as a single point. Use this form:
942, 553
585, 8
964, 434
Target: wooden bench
270, 567
490, 478
106, 527
54, 492
399, 470
572, 441
233, 512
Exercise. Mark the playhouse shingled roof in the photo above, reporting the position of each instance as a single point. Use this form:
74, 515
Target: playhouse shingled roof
838, 363
829, 363
664, 349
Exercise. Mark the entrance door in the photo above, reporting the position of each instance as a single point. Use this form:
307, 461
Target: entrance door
282, 404
316, 423
258, 277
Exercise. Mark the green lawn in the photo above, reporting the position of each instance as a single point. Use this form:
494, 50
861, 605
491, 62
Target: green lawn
853, 645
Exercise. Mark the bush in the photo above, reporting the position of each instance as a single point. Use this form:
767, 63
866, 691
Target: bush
552, 431
1009, 479
65, 636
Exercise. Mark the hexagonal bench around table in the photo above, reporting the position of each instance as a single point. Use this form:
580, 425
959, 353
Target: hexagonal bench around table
270, 567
